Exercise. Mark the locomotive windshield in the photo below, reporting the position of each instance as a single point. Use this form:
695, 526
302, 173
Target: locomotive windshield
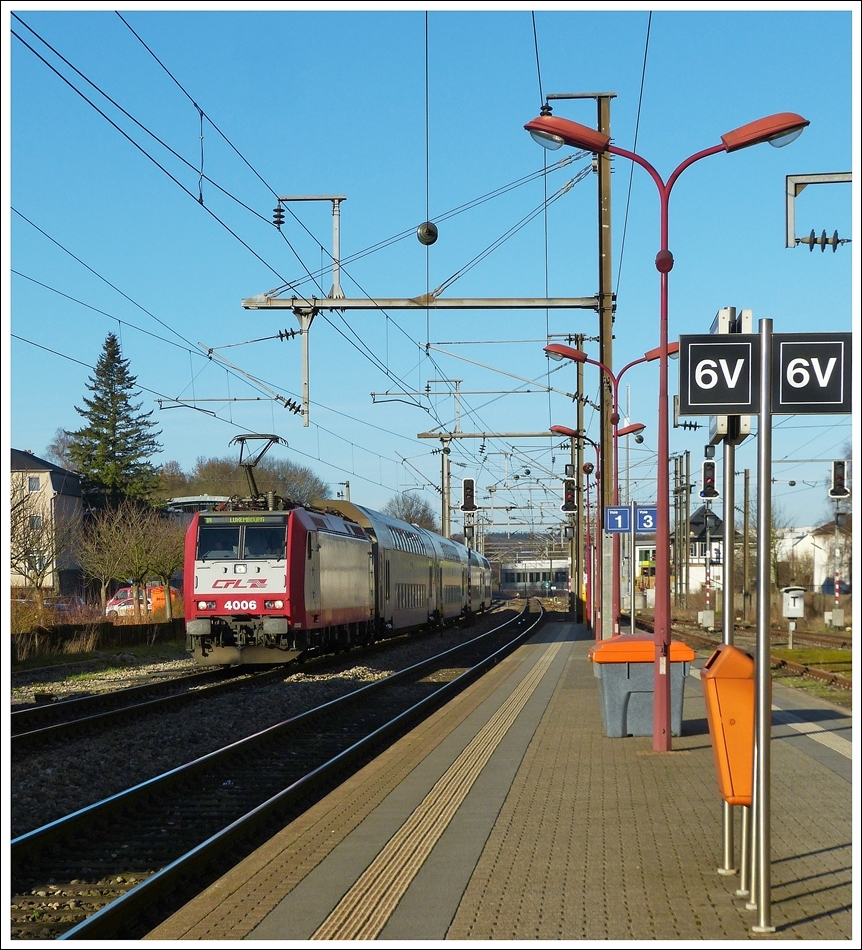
218, 543
240, 542
263, 541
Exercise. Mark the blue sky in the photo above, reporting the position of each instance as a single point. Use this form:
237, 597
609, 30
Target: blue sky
411, 114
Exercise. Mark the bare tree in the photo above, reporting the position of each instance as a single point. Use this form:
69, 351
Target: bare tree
413, 509
136, 544
58, 450
101, 551
167, 537
40, 535
223, 476
138, 549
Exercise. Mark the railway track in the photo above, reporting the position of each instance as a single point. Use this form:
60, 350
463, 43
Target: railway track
37, 725
112, 870
34, 727
745, 639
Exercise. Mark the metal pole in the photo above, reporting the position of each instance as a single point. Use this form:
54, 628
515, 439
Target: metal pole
762, 670
837, 581
677, 529
336, 249
608, 621
305, 317
727, 628
708, 521
578, 459
445, 487
632, 609
687, 526
728, 539
589, 560
746, 549
744, 889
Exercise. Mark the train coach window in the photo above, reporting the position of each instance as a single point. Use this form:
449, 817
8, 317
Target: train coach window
264, 541
218, 543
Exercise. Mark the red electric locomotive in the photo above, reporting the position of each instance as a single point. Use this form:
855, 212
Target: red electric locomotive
267, 581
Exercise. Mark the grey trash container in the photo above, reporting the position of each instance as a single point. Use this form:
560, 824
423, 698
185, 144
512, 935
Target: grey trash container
624, 667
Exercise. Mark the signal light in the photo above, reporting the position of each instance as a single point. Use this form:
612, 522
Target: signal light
468, 494
708, 488
278, 216
570, 495
837, 487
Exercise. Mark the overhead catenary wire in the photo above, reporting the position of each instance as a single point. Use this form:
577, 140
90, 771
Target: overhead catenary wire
201, 113
146, 154
358, 342
190, 405
634, 149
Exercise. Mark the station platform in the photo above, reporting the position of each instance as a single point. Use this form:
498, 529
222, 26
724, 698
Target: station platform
509, 815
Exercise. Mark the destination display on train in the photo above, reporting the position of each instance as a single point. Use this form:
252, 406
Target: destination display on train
242, 519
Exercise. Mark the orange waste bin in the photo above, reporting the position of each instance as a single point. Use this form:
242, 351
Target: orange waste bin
728, 688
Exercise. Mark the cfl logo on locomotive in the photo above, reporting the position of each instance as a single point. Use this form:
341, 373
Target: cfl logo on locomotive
237, 584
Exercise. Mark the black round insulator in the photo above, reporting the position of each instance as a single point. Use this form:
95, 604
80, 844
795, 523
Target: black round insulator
834, 242
811, 240
822, 242
427, 233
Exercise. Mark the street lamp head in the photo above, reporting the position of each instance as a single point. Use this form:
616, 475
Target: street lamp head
654, 354
566, 431
779, 130
559, 351
632, 429
552, 132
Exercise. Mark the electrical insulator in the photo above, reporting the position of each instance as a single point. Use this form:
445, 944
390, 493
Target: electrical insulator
708, 487
838, 487
278, 216
468, 494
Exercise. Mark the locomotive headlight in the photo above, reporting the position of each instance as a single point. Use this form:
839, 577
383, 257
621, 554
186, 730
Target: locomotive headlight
240, 568
206, 605
273, 604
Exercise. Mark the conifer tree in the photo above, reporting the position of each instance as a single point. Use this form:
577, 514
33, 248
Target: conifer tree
113, 452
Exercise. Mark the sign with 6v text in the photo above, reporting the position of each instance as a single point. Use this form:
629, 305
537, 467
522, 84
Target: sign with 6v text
811, 373
719, 374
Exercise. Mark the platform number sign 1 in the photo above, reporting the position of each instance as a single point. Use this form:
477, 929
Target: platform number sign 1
618, 519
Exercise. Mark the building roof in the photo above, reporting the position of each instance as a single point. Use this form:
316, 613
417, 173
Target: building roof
63, 481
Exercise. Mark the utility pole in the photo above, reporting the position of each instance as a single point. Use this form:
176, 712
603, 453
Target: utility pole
445, 485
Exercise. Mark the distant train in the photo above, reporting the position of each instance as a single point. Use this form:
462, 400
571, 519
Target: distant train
270, 581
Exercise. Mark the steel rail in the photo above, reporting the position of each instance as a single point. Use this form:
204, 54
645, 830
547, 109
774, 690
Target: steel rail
114, 917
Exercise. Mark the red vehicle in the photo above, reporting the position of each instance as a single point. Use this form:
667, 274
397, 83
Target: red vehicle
267, 580
122, 604
268, 586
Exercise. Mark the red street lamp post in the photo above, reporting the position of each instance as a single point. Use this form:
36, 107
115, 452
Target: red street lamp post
552, 132
559, 351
